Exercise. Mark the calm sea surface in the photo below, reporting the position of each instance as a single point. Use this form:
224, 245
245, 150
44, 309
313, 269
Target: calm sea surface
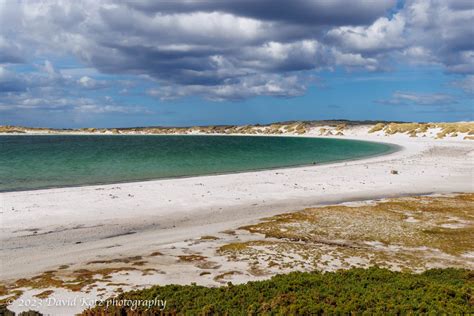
33, 162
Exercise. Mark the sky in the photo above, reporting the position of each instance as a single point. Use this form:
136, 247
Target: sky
101, 63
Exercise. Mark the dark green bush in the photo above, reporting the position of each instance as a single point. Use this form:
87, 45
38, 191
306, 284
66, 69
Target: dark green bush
355, 291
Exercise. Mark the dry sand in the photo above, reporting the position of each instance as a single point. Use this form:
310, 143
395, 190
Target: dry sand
43, 229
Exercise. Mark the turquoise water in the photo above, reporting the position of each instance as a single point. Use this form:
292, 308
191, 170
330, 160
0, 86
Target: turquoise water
34, 162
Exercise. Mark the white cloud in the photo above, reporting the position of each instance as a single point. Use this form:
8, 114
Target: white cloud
383, 34
216, 47
350, 60
28, 102
246, 87
91, 83
434, 99
49, 90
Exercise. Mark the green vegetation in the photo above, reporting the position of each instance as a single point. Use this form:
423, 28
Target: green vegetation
370, 291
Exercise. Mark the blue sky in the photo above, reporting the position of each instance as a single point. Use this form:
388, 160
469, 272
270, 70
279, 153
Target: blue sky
137, 63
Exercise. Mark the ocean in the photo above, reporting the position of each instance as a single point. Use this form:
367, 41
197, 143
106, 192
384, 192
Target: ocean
36, 162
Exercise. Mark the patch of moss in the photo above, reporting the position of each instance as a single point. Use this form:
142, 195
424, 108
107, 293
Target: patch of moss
229, 232
12, 295
208, 237
224, 275
44, 294
238, 246
118, 260
207, 265
191, 258
76, 281
3, 290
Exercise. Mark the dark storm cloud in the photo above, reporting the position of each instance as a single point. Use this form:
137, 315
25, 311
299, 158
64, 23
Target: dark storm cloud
10, 56
461, 4
9, 51
335, 12
233, 49
10, 82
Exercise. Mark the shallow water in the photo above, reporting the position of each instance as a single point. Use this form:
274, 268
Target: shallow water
34, 162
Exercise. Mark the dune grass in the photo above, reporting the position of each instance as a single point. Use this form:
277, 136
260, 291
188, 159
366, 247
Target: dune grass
413, 129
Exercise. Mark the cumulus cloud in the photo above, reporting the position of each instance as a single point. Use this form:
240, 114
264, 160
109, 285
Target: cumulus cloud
245, 87
63, 103
237, 49
91, 83
332, 12
45, 77
384, 34
355, 61
48, 90
435, 31
44, 104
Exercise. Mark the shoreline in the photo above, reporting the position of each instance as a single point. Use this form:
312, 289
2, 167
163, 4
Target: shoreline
393, 149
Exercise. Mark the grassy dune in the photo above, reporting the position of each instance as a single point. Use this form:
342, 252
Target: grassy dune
324, 128
414, 129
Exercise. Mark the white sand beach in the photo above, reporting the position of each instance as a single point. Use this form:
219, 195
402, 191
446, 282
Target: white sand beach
37, 224
44, 229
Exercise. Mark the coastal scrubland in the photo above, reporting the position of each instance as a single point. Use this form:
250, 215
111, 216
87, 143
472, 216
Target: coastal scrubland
411, 233
370, 291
